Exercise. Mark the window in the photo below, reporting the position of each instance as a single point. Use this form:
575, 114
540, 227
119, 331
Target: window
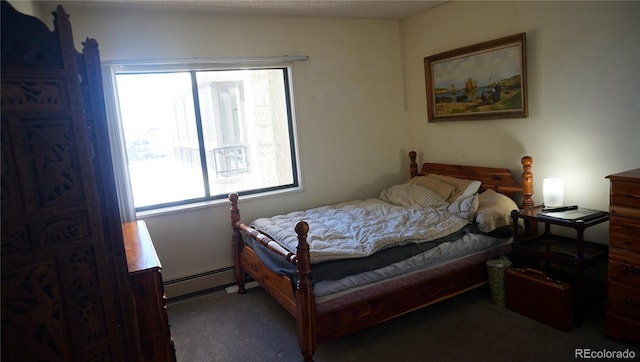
195, 135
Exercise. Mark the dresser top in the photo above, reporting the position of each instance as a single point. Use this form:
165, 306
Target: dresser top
141, 255
631, 175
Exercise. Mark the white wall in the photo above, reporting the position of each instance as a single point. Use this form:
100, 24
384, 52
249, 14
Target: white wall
584, 92
352, 132
25, 7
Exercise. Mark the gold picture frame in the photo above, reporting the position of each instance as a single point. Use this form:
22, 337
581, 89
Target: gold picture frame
478, 82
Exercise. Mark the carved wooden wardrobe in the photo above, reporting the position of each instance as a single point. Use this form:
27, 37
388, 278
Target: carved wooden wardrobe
66, 292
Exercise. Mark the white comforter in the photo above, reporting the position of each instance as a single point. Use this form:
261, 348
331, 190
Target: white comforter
359, 228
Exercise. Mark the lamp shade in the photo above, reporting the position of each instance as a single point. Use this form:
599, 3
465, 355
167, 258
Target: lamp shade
553, 192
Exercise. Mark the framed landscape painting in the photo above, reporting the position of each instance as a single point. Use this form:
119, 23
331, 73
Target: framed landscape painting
478, 82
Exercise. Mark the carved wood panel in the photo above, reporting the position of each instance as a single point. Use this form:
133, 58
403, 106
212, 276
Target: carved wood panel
65, 290
37, 94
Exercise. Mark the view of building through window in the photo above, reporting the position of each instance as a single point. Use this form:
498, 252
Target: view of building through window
198, 135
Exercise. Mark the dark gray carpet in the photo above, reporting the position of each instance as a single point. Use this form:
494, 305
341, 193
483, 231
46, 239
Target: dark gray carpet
253, 327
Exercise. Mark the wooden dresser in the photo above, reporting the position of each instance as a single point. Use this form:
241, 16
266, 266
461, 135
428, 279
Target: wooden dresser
156, 343
623, 301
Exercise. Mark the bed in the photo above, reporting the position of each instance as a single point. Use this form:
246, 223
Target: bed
283, 262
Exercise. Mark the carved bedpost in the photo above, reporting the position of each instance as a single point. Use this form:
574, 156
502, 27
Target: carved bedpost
305, 299
531, 226
236, 241
413, 166
527, 181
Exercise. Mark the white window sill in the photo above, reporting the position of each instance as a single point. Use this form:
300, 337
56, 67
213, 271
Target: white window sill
212, 203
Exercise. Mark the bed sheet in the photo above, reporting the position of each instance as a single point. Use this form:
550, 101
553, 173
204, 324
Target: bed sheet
360, 228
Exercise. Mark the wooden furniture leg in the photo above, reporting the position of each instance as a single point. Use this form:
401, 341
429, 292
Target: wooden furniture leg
237, 243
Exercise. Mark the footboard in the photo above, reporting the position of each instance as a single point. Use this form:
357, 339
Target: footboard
298, 300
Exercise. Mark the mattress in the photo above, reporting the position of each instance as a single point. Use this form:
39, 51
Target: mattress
401, 283
478, 249
335, 278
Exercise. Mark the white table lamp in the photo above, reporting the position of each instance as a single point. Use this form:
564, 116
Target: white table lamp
553, 192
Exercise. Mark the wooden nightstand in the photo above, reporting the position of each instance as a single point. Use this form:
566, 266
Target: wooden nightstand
547, 251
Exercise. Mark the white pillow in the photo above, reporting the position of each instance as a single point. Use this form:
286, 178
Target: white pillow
464, 187
472, 189
444, 189
411, 195
494, 210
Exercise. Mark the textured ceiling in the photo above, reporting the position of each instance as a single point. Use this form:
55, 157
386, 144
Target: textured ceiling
302, 8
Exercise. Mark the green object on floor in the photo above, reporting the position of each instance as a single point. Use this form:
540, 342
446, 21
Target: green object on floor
496, 269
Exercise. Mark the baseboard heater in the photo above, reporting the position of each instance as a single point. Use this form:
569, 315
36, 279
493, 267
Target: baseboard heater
198, 283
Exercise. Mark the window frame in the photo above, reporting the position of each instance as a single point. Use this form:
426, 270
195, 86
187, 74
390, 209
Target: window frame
112, 69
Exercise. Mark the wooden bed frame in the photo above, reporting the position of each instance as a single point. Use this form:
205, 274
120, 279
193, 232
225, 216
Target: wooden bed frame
316, 323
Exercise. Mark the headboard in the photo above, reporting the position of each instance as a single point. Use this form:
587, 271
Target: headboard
499, 179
